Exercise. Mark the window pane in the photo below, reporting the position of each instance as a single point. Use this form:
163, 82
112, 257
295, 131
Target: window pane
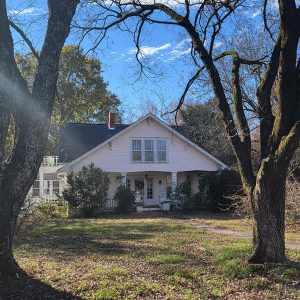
46, 187
36, 188
136, 145
36, 184
128, 185
149, 145
161, 145
136, 155
55, 184
150, 188
50, 176
149, 155
161, 155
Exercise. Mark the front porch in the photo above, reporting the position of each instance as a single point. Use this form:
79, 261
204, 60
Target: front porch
152, 189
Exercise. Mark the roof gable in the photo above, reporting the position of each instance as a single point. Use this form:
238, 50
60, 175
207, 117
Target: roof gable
173, 129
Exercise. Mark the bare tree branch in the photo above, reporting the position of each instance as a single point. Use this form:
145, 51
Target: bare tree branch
25, 38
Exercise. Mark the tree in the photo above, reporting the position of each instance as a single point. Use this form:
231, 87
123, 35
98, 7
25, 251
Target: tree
87, 190
30, 111
125, 198
203, 22
204, 127
82, 94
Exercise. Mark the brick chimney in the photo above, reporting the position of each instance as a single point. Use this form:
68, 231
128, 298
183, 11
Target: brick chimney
111, 120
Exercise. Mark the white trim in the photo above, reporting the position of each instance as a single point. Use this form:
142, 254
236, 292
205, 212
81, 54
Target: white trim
149, 115
143, 151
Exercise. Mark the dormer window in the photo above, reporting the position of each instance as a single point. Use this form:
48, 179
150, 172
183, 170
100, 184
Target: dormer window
149, 150
136, 150
161, 150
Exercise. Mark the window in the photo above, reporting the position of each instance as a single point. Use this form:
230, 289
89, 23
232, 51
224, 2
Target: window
149, 150
136, 150
36, 188
50, 176
47, 187
128, 184
161, 150
149, 188
55, 187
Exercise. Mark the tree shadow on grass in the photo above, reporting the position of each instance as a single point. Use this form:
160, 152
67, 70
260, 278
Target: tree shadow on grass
29, 288
69, 247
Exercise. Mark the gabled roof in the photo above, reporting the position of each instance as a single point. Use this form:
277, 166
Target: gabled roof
174, 129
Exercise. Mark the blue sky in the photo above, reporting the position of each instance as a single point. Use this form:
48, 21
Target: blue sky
165, 49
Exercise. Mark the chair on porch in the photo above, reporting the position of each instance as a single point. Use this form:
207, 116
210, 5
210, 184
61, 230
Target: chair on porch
164, 202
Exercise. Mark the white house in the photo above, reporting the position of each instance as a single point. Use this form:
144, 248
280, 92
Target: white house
47, 185
148, 156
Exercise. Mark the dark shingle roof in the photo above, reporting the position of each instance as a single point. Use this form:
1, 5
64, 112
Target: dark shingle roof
75, 139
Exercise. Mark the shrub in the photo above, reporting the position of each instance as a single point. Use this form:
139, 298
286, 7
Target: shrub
293, 198
125, 198
182, 196
241, 204
213, 192
35, 212
51, 210
87, 190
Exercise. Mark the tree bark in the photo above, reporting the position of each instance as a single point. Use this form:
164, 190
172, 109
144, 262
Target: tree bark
268, 203
8, 217
33, 112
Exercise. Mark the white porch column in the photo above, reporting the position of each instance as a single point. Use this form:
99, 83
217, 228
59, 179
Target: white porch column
51, 188
60, 187
41, 179
123, 179
174, 182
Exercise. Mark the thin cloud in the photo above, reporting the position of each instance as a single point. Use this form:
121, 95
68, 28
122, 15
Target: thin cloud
32, 11
148, 50
256, 14
179, 50
183, 43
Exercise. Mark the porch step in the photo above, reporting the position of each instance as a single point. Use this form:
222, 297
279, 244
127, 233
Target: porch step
151, 208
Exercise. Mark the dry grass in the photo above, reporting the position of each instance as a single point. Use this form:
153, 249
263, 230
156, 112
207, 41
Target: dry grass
148, 258
227, 221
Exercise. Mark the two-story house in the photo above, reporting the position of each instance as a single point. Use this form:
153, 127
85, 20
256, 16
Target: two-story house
149, 156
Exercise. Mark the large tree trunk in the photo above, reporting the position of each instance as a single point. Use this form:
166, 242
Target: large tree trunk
8, 217
268, 201
32, 112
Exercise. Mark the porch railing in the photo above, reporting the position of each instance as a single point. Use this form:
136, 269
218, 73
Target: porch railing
111, 203
50, 161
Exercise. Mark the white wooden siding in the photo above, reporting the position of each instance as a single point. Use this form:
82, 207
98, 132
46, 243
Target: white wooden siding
116, 156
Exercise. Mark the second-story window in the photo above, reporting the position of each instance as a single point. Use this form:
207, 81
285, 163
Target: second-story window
136, 150
161, 150
149, 150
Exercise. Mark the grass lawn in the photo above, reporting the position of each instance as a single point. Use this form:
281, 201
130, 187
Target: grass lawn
225, 220
148, 258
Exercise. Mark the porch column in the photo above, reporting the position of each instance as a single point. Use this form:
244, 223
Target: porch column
174, 182
123, 179
60, 187
51, 188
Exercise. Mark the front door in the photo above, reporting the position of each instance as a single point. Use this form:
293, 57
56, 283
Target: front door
149, 201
